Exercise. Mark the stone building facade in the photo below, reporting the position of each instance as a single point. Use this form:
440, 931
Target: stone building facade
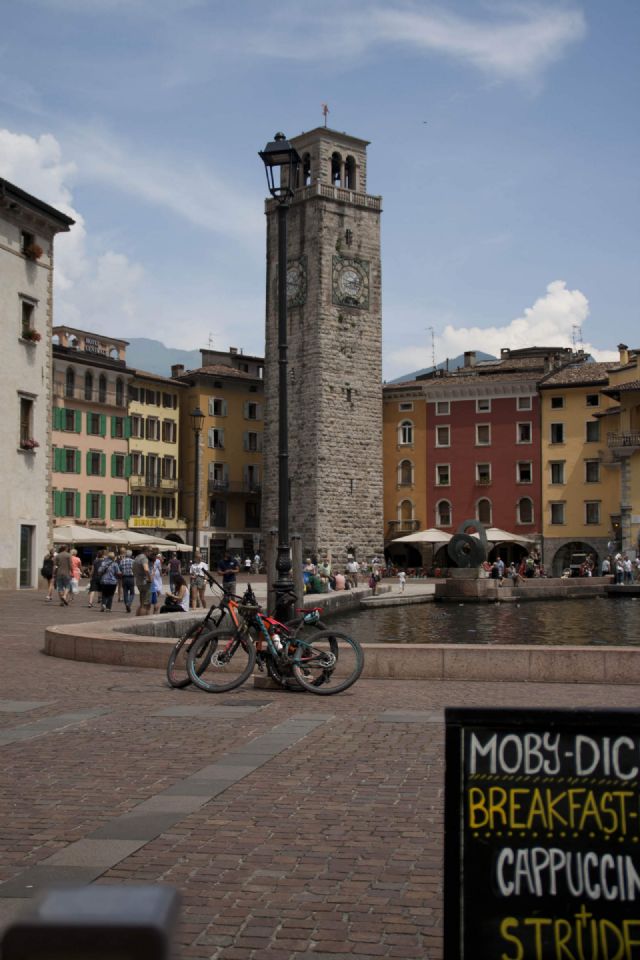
335, 353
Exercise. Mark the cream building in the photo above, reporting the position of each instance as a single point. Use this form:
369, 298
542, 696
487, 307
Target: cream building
27, 230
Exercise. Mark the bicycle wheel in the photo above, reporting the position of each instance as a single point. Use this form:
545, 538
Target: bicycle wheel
220, 660
283, 674
328, 662
177, 675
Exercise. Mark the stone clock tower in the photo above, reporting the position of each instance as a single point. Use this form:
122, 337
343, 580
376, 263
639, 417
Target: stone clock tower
335, 353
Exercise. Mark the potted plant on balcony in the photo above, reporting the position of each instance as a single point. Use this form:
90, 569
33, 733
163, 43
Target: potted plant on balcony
31, 335
29, 444
33, 251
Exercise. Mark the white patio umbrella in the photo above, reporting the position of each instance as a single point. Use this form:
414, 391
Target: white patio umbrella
76, 533
136, 538
432, 535
496, 535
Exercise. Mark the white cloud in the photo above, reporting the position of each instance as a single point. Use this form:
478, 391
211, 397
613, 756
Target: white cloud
516, 41
555, 320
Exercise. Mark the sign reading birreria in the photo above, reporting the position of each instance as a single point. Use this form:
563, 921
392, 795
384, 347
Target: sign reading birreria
542, 835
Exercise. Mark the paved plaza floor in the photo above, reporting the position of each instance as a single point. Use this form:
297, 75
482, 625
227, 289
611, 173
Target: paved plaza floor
294, 826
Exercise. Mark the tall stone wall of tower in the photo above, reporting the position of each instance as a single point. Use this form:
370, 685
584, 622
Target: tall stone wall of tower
335, 360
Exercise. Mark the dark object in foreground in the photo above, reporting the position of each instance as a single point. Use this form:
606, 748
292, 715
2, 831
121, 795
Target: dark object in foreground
95, 922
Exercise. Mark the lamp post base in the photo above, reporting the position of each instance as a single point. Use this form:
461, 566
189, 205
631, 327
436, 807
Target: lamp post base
284, 587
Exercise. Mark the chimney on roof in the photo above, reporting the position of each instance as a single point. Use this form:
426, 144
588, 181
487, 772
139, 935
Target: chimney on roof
504, 353
624, 352
177, 369
469, 358
233, 351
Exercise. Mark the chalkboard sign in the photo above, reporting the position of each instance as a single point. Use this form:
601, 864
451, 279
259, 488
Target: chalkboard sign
542, 834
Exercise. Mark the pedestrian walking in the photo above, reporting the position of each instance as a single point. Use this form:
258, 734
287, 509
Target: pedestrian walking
63, 575
142, 578
46, 571
127, 579
109, 576
402, 578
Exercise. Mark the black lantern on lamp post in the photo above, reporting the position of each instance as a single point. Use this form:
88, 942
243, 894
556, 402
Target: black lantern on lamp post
197, 420
281, 162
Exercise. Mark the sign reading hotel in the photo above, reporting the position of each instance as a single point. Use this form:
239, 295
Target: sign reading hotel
542, 834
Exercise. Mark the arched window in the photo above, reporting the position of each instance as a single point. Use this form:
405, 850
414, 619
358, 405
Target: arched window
336, 169
443, 514
525, 510
405, 473
88, 385
405, 514
350, 173
483, 511
405, 432
70, 382
119, 393
102, 388
306, 170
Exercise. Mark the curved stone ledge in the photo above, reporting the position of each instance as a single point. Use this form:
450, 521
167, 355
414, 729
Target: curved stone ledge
115, 642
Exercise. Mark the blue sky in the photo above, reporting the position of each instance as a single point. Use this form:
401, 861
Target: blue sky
504, 142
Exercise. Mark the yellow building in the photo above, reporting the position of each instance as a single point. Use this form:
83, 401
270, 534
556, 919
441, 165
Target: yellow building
580, 496
229, 390
154, 416
404, 463
623, 446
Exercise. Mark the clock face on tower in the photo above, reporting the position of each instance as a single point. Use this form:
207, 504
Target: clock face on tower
297, 282
351, 282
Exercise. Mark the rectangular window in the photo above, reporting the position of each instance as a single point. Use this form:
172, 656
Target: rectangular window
252, 515
483, 473
252, 477
524, 471
152, 506
137, 464
405, 407
557, 471
118, 506
169, 431
557, 433
523, 432
152, 428
443, 475
483, 434
152, 470
524, 403
557, 512
252, 442
152, 397
217, 407
442, 408
137, 426
218, 513
168, 507
218, 476
168, 468
94, 462
137, 505
592, 471
443, 437
593, 431
117, 427
68, 503
27, 318
94, 506
557, 403
70, 460
215, 438
169, 400
118, 465
592, 511
593, 399
68, 421
93, 424
27, 439
483, 405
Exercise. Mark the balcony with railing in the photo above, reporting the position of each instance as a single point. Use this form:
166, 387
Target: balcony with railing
107, 398
155, 484
234, 486
624, 444
397, 528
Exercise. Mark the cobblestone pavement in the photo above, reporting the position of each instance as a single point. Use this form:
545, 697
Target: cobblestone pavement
294, 826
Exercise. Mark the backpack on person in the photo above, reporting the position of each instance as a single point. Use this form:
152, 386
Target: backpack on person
107, 575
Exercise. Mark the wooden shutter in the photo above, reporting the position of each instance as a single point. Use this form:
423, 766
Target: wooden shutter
103, 464
78, 464
77, 503
103, 425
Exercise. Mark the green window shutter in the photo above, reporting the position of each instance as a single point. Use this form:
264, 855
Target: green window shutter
78, 462
127, 465
56, 418
78, 420
113, 426
127, 427
77, 510
113, 464
87, 502
56, 503
112, 506
127, 508
56, 459
88, 464
102, 506
103, 425
103, 464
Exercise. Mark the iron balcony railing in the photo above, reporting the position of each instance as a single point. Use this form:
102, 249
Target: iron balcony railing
403, 526
631, 439
234, 486
153, 483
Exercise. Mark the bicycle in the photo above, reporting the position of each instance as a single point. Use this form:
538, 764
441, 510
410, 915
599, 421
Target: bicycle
177, 675
323, 662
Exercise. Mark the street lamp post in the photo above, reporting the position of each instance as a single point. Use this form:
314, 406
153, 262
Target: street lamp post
197, 419
281, 162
